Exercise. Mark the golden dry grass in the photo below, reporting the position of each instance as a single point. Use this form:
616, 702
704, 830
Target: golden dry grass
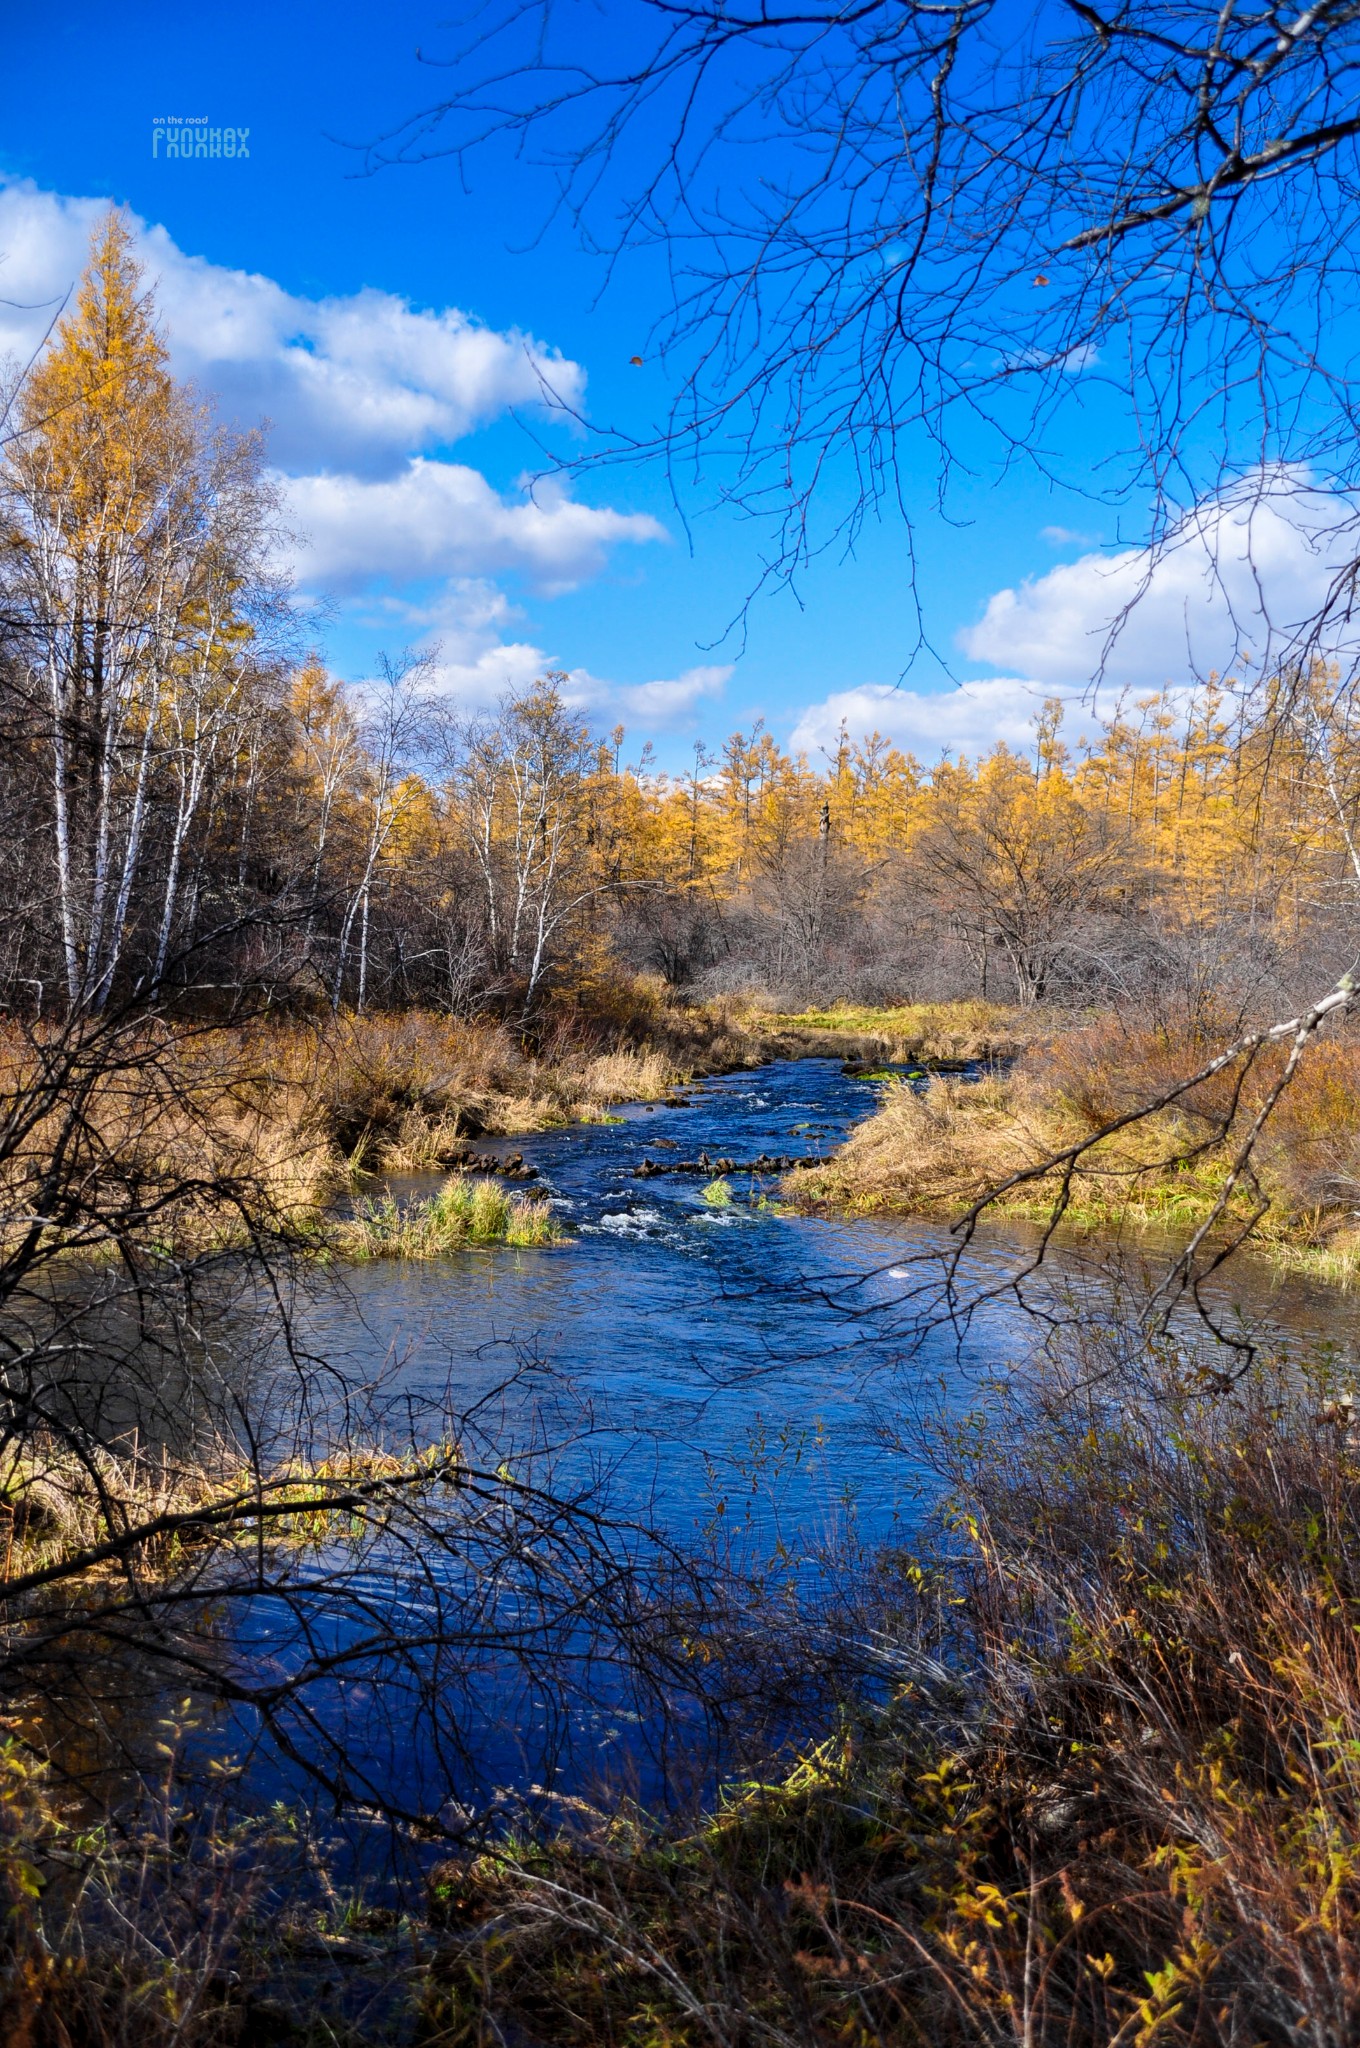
931, 1152
937, 1151
405, 1092
224, 1130
969, 1030
57, 1503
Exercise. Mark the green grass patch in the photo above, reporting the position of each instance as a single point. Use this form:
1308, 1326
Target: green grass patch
718, 1194
922, 1031
907, 1020
464, 1212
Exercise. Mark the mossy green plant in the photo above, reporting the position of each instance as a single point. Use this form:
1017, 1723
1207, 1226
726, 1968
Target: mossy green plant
718, 1194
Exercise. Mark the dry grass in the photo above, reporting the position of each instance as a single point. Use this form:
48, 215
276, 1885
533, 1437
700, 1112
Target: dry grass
627, 1076
55, 1503
930, 1152
225, 1132
259, 1128
189, 1139
937, 1151
150, 1507
404, 1093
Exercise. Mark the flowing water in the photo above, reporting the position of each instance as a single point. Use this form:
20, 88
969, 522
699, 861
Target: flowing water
697, 1335
711, 1365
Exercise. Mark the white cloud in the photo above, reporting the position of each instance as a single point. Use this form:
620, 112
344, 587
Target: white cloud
479, 678
364, 392
359, 382
670, 701
471, 626
969, 719
1072, 361
445, 519
1243, 577
1067, 537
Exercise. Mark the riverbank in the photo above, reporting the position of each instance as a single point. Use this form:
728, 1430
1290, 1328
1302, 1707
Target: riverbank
1113, 1798
272, 1126
210, 1137
967, 1030
937, 1150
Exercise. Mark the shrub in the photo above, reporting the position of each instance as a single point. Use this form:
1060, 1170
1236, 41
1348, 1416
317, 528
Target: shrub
1114, 1797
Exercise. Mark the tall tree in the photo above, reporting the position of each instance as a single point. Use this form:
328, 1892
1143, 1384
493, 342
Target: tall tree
134, 567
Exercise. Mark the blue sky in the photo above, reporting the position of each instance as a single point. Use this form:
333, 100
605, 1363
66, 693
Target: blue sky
389, 324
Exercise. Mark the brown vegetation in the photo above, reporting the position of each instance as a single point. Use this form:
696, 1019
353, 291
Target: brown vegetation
1114, 1798
938, 1150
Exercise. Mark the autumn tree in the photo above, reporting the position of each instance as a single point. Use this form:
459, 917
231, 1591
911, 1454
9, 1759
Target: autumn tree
520, 793
1017, 861
137, 594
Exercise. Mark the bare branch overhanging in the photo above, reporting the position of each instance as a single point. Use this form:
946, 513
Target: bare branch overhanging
910, 243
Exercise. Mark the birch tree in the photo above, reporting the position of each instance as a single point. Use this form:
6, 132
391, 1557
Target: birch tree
135, 541
389, 739
520, 791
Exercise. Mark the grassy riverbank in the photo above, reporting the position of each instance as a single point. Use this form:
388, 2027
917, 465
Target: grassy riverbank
282, 1121
936, 1152
279, 1120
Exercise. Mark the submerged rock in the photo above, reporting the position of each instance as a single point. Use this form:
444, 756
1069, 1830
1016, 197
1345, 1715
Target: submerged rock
766, 1164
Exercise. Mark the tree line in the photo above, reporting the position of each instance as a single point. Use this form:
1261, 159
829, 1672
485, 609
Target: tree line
192, 795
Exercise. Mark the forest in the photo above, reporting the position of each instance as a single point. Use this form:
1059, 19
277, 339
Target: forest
195, 799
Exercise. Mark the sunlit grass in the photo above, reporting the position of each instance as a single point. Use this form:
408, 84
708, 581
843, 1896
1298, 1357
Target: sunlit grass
961, 1030
935, 1152
464, 1212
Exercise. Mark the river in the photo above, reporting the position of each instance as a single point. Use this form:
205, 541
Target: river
710, 1368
